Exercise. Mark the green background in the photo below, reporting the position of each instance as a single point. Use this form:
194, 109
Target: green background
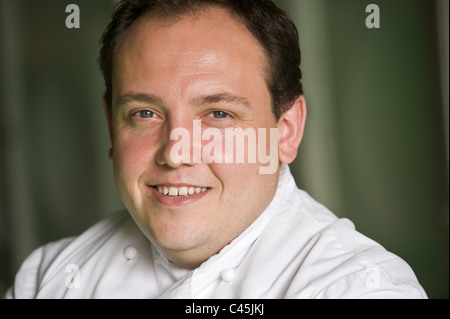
375, 148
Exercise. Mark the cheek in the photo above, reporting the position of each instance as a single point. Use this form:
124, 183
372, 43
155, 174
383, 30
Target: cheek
242, 205
231, 177
131, 154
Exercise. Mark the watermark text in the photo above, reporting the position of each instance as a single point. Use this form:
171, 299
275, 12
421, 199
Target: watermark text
226, 146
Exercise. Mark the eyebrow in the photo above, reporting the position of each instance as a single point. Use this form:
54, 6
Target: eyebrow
205, 99
222, 98
138, 97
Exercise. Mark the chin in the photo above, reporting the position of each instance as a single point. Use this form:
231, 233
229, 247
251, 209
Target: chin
176, 236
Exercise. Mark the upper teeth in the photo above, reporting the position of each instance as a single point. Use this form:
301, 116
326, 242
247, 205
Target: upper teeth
180, 191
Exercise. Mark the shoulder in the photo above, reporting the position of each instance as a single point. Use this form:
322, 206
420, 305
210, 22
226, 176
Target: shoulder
347, 264
78, 249
25, 284
55, 257
324, 256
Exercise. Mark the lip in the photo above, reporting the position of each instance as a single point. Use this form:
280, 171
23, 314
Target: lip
175, 201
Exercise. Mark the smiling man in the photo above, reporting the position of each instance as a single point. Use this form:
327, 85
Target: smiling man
209, 229
207, 67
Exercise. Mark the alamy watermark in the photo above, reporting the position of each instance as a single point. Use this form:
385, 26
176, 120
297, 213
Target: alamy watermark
373, 277
73, 19
73, 279
373, 19
226, 146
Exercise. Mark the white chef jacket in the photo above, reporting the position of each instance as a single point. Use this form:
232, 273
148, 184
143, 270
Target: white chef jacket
295, 249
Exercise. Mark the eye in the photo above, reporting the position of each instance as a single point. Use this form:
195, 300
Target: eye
144, 114
220, 114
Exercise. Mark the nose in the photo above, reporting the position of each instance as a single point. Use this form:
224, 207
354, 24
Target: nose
180, 144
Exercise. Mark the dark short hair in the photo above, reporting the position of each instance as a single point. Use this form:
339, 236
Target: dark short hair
271, 26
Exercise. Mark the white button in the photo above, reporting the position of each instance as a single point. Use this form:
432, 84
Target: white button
129, 252
228, 275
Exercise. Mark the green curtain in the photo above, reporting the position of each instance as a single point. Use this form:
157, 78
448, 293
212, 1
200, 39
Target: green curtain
377, 134
375, 148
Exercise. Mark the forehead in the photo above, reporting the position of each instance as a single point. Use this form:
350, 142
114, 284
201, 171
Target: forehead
208, 38
209, 20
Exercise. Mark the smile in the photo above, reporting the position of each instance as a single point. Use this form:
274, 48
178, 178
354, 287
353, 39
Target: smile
173, 191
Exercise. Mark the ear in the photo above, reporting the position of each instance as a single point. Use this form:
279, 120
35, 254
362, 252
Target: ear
291, 127
108, 116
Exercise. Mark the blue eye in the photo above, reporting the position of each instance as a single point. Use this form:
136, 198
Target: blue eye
145, 114
220, 114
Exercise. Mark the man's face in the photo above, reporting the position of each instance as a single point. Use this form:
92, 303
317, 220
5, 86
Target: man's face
168, 74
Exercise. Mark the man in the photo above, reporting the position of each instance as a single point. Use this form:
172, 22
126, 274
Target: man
206, 217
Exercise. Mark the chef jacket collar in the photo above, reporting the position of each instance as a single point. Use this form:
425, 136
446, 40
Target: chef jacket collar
232, 254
